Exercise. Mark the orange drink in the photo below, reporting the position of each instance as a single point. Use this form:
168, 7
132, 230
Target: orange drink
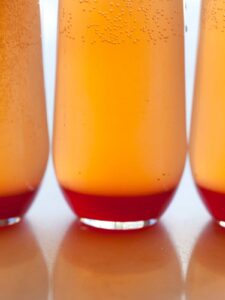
119, 138
23, 126
208, 126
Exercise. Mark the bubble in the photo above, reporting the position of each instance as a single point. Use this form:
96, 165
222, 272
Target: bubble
213, 15
124, 21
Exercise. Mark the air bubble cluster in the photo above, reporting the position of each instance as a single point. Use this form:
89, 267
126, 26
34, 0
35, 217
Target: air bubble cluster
19, 30
213, 15
119, 21
17, 20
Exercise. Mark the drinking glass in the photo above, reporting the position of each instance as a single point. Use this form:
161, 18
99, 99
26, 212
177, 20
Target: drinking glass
208, 125
119, 133
23, 126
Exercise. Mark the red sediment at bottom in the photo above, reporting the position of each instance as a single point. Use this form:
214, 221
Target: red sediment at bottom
214, 202
116, 208
16, 205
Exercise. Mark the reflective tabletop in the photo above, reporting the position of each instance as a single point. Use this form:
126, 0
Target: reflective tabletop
50, 255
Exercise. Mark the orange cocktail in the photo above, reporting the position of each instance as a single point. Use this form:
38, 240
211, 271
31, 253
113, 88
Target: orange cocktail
208, 122
119, 138
23, 126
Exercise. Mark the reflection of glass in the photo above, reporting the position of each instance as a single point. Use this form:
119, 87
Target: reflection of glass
206, 272
23, 273
93, 265
208, 128
119, 139
23, 127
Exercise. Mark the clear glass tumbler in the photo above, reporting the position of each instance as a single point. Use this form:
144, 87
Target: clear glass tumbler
23, 124
208, 120
119, 136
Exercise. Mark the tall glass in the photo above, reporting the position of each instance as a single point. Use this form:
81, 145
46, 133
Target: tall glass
119, 138
208, 120
23, 126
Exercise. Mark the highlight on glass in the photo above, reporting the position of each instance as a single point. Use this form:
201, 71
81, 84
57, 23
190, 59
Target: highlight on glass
23, 124
208, 126
119, 133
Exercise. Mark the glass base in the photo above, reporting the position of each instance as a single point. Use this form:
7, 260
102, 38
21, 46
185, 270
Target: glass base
118, 208
221, 223
9, 221
111, 225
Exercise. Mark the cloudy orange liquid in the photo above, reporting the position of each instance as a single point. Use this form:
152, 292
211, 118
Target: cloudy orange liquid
208, 128
120, 118
23, 126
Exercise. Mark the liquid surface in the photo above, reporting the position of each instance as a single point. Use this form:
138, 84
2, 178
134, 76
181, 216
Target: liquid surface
208, 126
120, 117
23, 126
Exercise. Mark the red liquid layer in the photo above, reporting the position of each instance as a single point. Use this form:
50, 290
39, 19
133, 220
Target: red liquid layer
121, 209
15, 206
214, 201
